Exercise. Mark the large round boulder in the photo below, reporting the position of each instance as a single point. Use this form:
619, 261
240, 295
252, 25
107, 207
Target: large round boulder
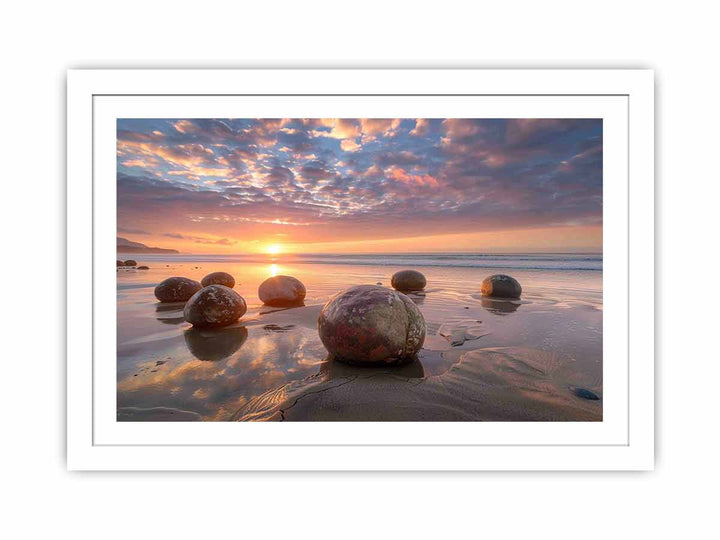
218, 278
176, 289
120, 263
408, 281
130, 262
281, 291
501, 286
368, 324
214, 306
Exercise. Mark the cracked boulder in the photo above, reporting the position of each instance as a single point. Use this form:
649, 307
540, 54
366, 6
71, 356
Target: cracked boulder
368, 324
282, 291
214, 306
501, 286
176, 289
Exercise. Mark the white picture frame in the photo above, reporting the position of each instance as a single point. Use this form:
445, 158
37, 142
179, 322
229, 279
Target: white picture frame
623, 98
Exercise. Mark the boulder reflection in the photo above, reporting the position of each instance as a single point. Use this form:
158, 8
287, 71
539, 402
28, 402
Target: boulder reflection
213, 345
498, 306
418, 298
334, 369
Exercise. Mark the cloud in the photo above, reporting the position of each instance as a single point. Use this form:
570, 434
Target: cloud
422, 126
128, 230
215, 180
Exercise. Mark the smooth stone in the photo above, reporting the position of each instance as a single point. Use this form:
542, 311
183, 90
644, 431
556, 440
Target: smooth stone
214, 306
584, 393
120, 263
408, 280
143, 268
176, 289
281, 291
501, 286
218, 278
368, 324
130, 262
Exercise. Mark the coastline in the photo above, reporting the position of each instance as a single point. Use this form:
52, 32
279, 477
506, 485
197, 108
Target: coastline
552, 337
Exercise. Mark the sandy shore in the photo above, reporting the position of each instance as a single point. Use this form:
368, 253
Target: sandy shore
482, 359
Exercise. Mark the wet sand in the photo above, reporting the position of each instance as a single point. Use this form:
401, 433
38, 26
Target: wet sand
483, 359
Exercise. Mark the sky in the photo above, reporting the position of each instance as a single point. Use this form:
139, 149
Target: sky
361, 185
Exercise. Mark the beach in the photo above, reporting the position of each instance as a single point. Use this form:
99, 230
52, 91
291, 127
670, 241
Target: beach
482, 360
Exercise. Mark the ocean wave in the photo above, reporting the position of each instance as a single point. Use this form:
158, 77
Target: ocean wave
570, 262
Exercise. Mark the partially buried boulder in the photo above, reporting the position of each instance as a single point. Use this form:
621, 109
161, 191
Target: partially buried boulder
214, 306
143, 268
282, 291
408, 281
501, 286
218, 278
176, 289
130, 262
368, 324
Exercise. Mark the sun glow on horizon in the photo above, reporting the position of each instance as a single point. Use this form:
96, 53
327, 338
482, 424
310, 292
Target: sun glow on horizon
274, 249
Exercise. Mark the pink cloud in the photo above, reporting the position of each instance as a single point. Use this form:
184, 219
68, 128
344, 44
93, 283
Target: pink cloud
396, 173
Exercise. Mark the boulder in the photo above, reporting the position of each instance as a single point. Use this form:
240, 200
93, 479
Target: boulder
143, 268
584, 393
130, 262
218, 278
120, 263
282, 291
501, 286
408, 280
368, 324
176, 289
214, 306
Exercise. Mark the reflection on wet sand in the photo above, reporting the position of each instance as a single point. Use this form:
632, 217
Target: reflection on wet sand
213, 345
503, 384
418, 298
498, 306
334, 369
170, 313
161, 307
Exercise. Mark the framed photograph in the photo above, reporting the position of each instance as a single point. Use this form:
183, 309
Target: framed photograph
360, 270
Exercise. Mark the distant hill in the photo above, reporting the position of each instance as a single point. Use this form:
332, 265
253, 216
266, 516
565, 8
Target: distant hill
128, 246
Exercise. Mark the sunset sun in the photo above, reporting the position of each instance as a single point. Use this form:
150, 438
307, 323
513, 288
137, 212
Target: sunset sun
273, 249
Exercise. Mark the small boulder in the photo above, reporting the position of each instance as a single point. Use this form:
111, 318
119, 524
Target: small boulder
143, 268
130, 262
584, 393
176, 289
282, 291
501, 286
214, 306
368, 324
218, 278
408, 280
120, 263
